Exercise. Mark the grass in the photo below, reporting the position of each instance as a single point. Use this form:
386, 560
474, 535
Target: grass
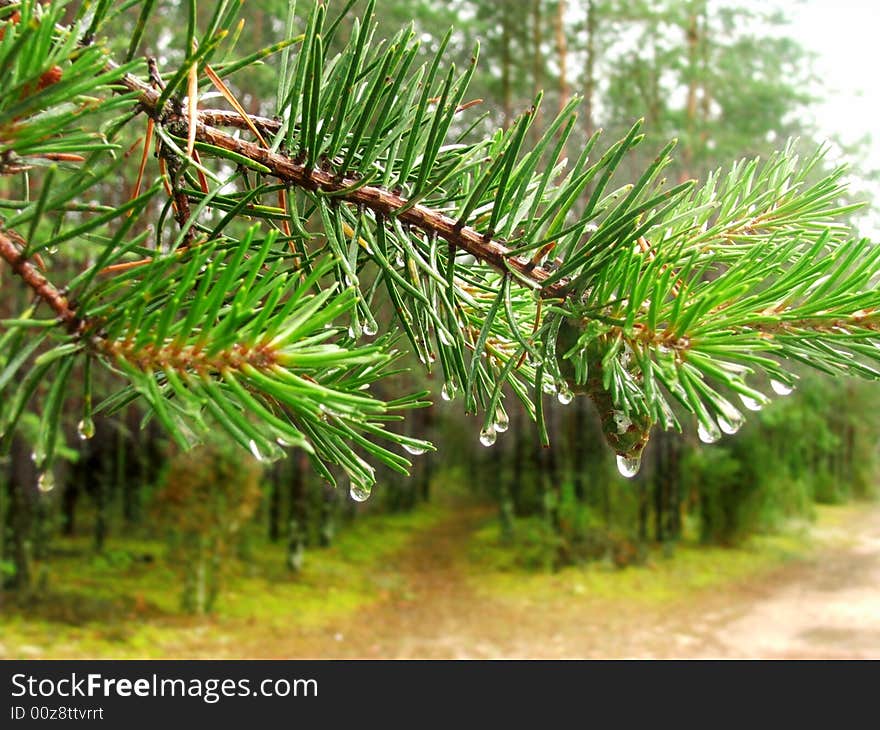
117, 604
663, 577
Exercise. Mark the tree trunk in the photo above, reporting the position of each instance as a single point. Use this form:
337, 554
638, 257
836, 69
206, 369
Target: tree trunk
297, 514
562, 54
693, 71
506, 100
275, 505
590, 70
22, 478
537, 62
576, 447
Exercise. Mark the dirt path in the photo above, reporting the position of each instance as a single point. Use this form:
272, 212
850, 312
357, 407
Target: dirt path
826, 606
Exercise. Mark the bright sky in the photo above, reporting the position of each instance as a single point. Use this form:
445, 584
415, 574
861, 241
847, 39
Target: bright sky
845, 34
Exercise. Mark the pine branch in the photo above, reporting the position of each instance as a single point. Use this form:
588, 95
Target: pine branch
12, 250
517, 271
381, 201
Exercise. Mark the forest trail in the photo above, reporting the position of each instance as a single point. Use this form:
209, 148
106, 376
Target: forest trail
827, 605
429, 599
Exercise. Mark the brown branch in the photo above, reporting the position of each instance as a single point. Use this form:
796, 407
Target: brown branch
383, 202
11, 247
228, 118
260, 355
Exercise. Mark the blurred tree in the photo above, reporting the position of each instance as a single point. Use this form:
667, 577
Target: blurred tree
206, 497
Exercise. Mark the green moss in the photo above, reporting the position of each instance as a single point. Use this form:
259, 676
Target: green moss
662, 578
125, 602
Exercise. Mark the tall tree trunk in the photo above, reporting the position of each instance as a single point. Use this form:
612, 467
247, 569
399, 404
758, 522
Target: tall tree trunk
674, 476
275, 505
705, 97
576, 447
537, 61
643, 512
693, 71
427, 461
590, 70
68, 507
22, 479
506, 93
101, 499
297, 511
562, 54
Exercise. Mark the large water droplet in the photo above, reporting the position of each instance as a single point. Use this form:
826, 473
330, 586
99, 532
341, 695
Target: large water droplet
414, 449
370, 329
730, 420
564, 396
86, 429
709, 432
252, 445
448, 392
359, 492
46, 482
549, 388
488, 436
751, 403
628, 465
352, 333
502, 421
781, 388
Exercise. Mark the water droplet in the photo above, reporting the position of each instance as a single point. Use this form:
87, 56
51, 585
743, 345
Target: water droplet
751, 403
730, 420
564, 396
352, 333
86, 429
449, 391
359, 492
709, 432
370, 329
415, 450
283, 442
46, 482
502, 421
549, 388
488, 436
444, 338
398, 261
252, 445
781, 388
628, 466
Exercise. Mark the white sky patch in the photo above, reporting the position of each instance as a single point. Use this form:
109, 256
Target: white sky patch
844, 36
